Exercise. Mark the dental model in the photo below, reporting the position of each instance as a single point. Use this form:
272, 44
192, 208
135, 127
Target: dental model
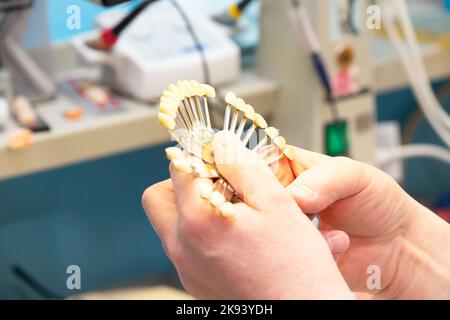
184, 111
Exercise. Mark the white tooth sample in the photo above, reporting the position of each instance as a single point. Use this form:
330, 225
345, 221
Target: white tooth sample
240, 104
174, 89
231, 98
171, 95
169, 101
187, 88
271, 132
194, 87
217, 199
280, 142
166, 121
201, 90
250, 112
227, 210
173, 153
289, 152
260, 121
210, 91
182, 165
168, 109
183, 88
206, 191
199, 166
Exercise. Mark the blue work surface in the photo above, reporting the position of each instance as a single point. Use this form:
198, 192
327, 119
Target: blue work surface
88, 215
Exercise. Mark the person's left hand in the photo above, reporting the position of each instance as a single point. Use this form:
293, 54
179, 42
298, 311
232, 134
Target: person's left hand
266, 249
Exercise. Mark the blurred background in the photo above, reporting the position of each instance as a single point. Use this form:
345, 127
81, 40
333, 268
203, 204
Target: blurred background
80, 83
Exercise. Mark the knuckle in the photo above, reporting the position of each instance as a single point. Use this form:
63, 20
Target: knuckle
279, 196
149, 196
192, 226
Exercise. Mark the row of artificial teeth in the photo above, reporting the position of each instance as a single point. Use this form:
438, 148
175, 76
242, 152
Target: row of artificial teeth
237, 108
216, 195
184, 99
196, 168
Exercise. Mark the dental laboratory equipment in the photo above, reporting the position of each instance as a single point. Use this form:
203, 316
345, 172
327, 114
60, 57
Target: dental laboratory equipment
414, 67
233, 13
28, 77
109, 36
159, 47
4, 113
108, 3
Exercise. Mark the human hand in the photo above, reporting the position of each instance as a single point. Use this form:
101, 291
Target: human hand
265, 247
387, 228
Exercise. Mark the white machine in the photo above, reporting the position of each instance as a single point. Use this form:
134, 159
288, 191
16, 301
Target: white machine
157, 49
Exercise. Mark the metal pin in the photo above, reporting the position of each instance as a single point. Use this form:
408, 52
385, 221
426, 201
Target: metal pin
185, 116
261, 143
199, 110
249, 134
241, 126
226, 119
208, 120
193, 108
187, 108
234, 121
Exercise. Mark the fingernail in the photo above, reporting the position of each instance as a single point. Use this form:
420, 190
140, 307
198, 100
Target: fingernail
337, 243
305, 192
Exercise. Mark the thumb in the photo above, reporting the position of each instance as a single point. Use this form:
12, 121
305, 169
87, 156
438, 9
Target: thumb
322, 185
245, 171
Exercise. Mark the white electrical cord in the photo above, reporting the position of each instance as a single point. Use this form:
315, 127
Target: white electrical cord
411, 40
413, 151
415, 69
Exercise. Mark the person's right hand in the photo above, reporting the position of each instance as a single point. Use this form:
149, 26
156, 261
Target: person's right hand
389, 231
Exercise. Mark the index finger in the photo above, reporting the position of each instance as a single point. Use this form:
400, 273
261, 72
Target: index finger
303, 160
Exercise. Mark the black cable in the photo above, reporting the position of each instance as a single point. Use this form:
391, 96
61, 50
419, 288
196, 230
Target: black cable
243, 4
7, 6
322, 73
130, 17
33, 284
195, 38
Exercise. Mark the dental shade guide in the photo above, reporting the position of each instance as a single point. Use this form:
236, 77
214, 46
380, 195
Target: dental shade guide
184, 112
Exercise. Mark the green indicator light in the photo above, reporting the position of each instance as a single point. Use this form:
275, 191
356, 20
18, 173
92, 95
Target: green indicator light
336, 143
